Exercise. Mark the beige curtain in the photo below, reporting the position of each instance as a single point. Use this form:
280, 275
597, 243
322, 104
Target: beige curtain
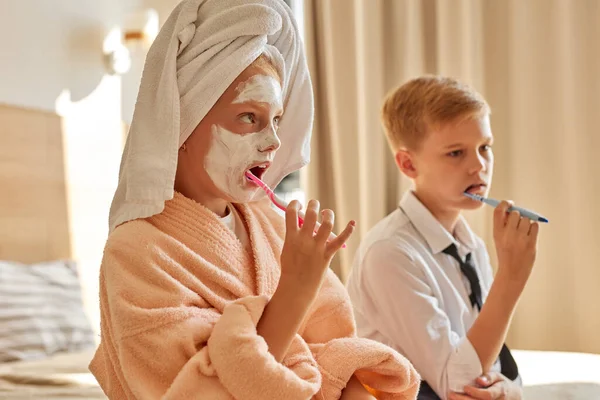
537, 63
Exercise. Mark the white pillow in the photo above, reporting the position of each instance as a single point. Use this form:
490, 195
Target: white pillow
41, 311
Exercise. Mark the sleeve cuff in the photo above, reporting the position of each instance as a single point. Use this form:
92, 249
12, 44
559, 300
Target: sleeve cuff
463, 366
519, 381
241, 359
379, 367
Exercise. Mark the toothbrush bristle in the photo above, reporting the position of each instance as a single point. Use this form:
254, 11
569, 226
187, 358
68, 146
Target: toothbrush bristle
261, 184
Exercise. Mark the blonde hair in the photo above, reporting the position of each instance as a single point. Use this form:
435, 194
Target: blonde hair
425, 103
265, 63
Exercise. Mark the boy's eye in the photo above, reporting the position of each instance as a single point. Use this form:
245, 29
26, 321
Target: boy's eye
455, 153
248, 118
276, 121
486, 147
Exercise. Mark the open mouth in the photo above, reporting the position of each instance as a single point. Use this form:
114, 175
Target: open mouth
477, 188
258, 170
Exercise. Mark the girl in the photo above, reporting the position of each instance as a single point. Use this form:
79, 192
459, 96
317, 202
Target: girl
206, 291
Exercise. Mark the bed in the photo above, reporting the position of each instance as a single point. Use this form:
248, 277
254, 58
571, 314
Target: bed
61, 376
553, 375
46, 343
547, 375
46, 339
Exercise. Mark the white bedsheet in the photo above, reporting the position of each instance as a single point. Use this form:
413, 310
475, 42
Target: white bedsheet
549, 375
63, 376
546, 376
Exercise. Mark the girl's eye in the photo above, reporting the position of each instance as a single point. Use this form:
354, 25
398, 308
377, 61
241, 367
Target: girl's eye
248, 118
455, 153
486, 147
276, 121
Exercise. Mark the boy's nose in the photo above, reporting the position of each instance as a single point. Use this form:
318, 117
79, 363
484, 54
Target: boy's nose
478, 163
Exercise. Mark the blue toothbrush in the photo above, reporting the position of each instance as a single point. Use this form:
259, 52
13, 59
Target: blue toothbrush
492, 202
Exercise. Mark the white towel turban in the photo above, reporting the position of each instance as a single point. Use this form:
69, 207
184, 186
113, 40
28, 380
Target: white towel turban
201, 49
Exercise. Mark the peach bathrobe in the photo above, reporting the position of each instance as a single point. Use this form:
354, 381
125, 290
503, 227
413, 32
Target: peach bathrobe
180, 298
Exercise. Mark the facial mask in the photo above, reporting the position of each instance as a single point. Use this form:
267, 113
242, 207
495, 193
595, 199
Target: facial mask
232, 154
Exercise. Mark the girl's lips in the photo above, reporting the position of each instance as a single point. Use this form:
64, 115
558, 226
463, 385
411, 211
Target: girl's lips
258, 170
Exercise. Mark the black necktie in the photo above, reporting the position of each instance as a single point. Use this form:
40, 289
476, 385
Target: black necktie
507, 362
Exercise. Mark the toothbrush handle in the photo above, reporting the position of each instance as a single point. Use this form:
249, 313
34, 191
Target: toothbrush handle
491, 202
523, 211
282, 205
317, 226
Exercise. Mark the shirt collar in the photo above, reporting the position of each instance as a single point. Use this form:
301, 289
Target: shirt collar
436, 236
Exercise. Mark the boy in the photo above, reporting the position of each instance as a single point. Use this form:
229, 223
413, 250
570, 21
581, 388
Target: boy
420, 276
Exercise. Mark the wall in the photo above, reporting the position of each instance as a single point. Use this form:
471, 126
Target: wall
51, 60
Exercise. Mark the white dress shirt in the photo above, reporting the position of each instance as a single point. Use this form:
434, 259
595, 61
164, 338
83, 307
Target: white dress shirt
411, 296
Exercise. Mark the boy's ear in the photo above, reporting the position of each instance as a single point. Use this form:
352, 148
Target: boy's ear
404, 161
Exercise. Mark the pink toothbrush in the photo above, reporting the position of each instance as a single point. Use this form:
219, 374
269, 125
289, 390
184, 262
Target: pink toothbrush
281, 204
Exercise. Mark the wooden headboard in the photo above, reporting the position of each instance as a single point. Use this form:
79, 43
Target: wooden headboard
34, 223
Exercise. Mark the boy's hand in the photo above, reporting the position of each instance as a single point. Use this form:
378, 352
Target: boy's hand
354, 390
306, 256
516, 243
490, 387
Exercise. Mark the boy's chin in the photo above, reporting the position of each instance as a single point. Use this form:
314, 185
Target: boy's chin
470, 204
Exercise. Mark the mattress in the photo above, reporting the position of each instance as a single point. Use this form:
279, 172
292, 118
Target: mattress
546, 376
62, 376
